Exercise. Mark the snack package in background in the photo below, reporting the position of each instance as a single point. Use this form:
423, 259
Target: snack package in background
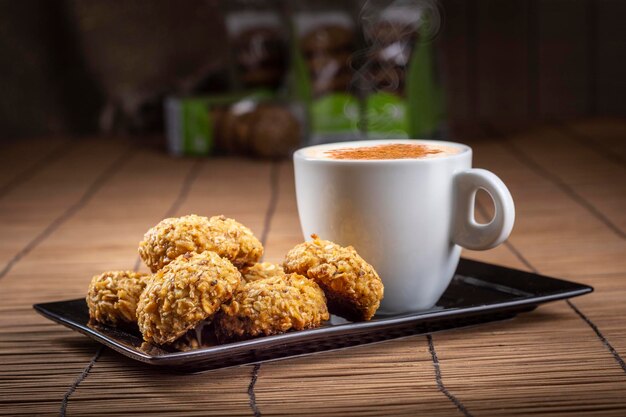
323, 44
258, 40
404, 98
188, 126
256, 125
262, 128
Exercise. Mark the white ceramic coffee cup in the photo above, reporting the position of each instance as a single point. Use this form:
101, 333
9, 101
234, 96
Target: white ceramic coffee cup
409, 218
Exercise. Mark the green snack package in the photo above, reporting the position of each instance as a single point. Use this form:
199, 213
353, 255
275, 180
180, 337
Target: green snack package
189, 126
255, 124
323, 44
258, 44
403, 96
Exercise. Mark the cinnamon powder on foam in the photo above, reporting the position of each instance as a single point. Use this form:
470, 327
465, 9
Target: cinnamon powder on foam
390, 151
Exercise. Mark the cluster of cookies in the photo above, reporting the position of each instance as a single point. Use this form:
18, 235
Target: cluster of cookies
206, 274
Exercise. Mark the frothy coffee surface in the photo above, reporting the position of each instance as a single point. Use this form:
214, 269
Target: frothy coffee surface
391, 151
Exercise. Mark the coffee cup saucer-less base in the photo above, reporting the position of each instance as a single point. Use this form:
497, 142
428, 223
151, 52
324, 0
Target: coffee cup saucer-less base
478, 293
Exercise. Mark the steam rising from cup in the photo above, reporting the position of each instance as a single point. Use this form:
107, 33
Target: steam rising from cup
391, 30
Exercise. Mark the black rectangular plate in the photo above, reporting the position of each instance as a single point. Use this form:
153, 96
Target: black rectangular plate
478, 293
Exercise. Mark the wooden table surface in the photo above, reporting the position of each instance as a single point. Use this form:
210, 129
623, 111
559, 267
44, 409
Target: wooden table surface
71, 209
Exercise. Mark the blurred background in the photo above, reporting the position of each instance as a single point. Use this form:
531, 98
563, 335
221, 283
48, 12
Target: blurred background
263, 77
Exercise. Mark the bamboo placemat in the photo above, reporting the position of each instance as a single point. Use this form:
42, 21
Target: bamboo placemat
69, 209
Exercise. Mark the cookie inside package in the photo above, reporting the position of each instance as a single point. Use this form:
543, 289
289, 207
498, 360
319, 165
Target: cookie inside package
258, 43
398, 76
255, 118
257, 124
324, 43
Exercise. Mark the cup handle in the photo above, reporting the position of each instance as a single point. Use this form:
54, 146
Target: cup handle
466, 231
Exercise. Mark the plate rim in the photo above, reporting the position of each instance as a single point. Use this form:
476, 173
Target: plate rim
344, 328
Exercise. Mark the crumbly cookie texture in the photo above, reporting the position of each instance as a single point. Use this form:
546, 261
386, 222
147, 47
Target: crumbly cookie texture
176, 236
185, 292
272, 306
112, 296
352, 286
262, 270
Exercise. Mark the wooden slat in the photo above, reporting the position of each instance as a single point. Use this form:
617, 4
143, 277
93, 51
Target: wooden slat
593, 177
308, 385
555, 360
393, 378
285, 231
603, 136
22, 159
109, 226
605, 307
499, 256
34, 205
235, 188
543, 364
556, 233
102, 235
134, 388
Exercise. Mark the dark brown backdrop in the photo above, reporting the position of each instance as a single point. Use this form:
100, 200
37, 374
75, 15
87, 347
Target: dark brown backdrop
77, 66
511, 63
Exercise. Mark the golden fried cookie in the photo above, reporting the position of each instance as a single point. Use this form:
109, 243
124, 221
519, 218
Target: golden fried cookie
183, 294
176, 236
262, 270
234, 241
112, 296
272, 306
352, 286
